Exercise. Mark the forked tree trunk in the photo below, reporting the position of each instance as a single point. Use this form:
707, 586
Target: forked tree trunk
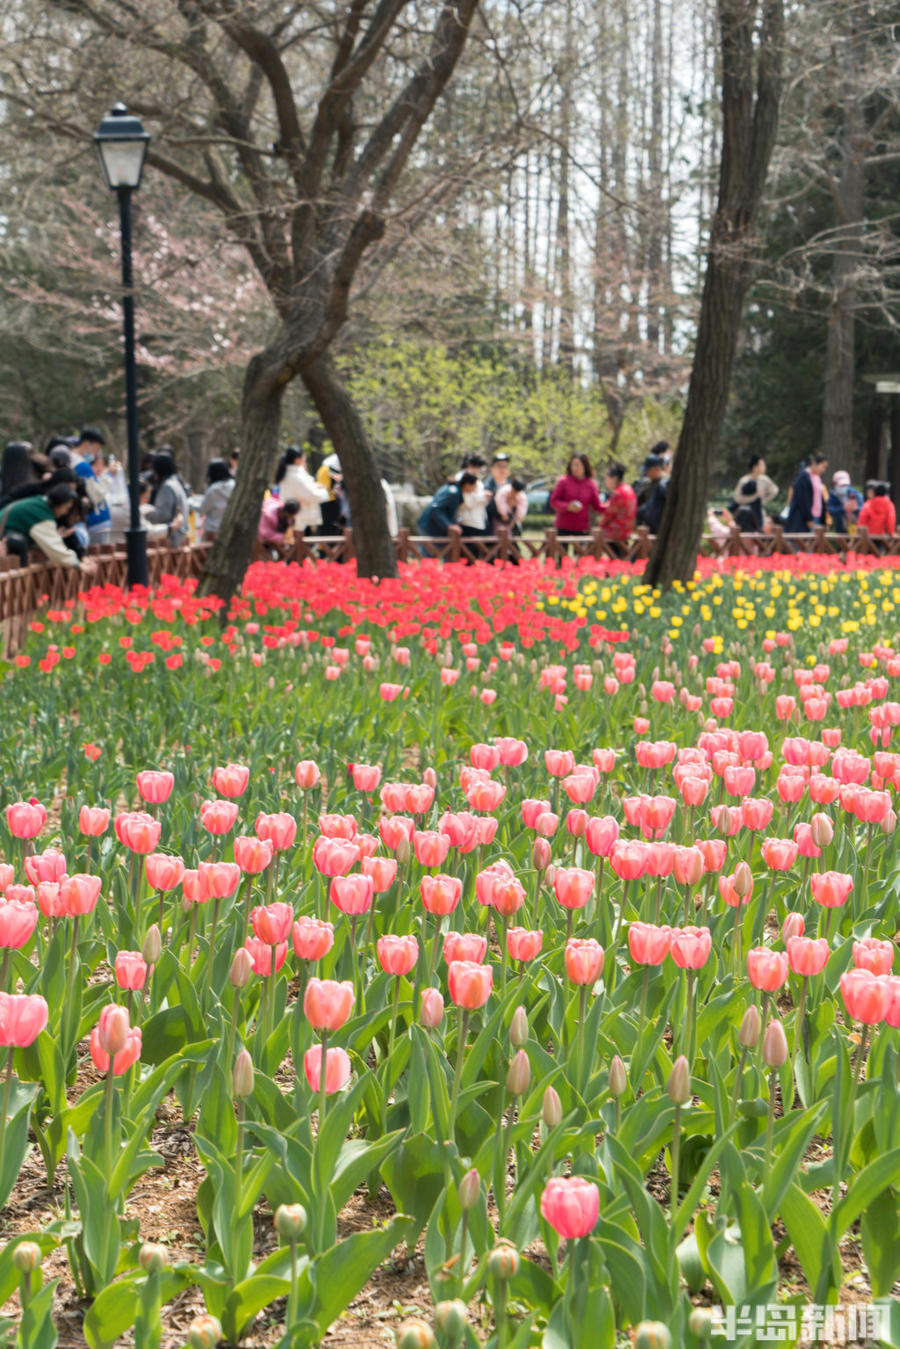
749, 123
372, 542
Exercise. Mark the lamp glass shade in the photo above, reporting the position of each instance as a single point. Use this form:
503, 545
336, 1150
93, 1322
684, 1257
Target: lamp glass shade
121, 143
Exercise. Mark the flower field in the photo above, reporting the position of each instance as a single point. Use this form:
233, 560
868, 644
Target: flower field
542, 924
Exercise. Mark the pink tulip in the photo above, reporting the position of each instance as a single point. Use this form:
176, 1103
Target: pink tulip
659, 858
307, 775
430, 847
628, 858
279, 829
779, 853
727, 819
600, 834
431, 1008
570, 1204
573, 886
576, 823
272, 923
687, 866
231, 780
654, 754
93, 820
461, 828
485, 795
334, 856
45, 866
337, 1069
163, 872
440, 894
523, 944
48, 900
17, 923
78, 894
807, 956
867, 996
512, 752
126, 1056
873, 955
352, 894
194, 887
260, 953
484, 756
366, 777
155, 785
338, 826
419, 798
313, 938
397, 955
584, 960
470, 984
22, 894
22, 1018
648, 943
137, 830
471, 946
7, 875
382, 871
252, 855
327, 1003
130, 970
767, 970
396, 830
220, 879
690, 946
531, 809
25, 819
831, 889
559, 762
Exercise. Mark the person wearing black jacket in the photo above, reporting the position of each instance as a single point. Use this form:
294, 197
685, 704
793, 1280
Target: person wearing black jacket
802, 515
650, 512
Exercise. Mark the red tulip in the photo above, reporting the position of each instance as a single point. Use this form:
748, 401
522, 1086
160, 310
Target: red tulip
831, 889
22, 1018
155, 785
25, 819
584, 960
162, 871
279, 829
130, 970
397, 955
352, 894
523, 944
690, 946
867, 996
328, 1003
272, 923
93, 820
767, 970
570, 1204
470, 984
337, 1069
231, 780
313, 938
807, 956
648, 943
440, 894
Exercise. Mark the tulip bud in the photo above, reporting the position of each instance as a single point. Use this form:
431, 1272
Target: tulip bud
821, 830
242, 1076
889, 823
503, 1261
775, 1048
541, 854
743, 880
469, 1190
204, 1332
290, 1221
415, 1334
748, 1032
27, 1257
241, 968
679, 1083
431, 1008
518, 1079
551, 1110
403, 851
618, 1078
152, 1257
794, 925
429, 777
652, 1335
152, 948
518, 1030
700, 1323
113, 1028
451, 1319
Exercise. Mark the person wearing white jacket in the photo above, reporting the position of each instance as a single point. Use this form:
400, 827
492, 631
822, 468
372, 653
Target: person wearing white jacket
295, 483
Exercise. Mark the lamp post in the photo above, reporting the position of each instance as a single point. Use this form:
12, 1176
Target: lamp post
121, 143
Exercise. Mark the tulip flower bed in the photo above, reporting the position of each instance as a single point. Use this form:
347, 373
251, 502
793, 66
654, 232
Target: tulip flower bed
523, 925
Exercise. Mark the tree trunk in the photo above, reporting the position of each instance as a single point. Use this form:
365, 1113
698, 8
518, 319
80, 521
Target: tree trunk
751, 57
372, 542
260, 425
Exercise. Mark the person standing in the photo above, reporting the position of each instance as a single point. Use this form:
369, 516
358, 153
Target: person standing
294, 483
88, 446
650, 510
806, 509
844, 503
220, 486
755, 490
170, 503
574, 496
472, 515
878, 514
619, 509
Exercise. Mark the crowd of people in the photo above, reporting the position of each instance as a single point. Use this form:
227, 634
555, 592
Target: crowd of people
75, 494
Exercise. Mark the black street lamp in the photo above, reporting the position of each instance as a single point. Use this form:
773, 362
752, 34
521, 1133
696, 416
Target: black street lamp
121, 143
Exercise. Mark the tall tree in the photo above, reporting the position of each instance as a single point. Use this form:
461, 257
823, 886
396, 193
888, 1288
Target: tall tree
296, 122
751, 39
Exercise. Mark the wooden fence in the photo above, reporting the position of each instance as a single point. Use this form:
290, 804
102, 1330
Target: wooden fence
25, 590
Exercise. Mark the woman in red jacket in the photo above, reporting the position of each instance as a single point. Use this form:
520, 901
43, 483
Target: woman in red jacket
575, 496
878, 515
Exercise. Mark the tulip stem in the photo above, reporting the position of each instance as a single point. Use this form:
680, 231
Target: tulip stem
238, 1178
464, 1232
501, 937
738, 1083
645, 985
4, 969
688, 1018
71, 1032
499, 1183
4, 1106
323, 1095
457, 1076
770, 1125
395, 1002
736, 943
507, 1144
232, 1030
579, 1052
108, 1105
212, 950
295, 1276
136, 888
676, 1161
801, 1013
357, 983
